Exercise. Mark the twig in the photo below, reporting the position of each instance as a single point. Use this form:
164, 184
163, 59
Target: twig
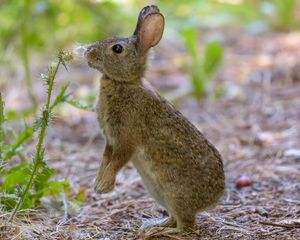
273, 232
66, 207
280, 225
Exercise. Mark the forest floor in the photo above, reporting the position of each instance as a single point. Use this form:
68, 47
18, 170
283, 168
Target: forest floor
255, 126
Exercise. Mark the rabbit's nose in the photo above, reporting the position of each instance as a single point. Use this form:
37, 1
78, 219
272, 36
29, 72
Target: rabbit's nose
91, 53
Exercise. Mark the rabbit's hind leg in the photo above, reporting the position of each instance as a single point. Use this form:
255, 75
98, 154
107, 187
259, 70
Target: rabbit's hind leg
185, 219
185, 223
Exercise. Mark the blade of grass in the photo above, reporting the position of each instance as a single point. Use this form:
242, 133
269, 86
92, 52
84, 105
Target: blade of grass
212, 57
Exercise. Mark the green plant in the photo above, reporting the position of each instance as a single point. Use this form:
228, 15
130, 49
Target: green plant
25, 183
203, 68
1, 130
25, 48
79, 105
31, 27
286, 13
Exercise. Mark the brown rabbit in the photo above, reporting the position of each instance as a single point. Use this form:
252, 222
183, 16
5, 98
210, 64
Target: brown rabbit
181, 169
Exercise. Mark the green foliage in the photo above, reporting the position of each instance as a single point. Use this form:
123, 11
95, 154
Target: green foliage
253, 15
17, 147
212, 58
203, 68
24, 50
286, 13
25, 183
272, 14
47, 25
56, 24
79, 105
2, 119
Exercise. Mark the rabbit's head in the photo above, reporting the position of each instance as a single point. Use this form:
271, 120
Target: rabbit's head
124, 59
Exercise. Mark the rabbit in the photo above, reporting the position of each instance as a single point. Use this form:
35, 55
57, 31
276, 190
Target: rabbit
180, 168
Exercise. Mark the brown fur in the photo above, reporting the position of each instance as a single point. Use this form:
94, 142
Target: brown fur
181, 169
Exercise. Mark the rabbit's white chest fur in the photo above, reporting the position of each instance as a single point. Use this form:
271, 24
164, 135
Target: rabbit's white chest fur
103, 118
144, 166
110, 139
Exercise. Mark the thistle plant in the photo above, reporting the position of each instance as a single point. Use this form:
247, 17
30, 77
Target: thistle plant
31, 178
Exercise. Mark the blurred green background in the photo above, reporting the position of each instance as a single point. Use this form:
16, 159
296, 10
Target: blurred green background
47, 25
42, 27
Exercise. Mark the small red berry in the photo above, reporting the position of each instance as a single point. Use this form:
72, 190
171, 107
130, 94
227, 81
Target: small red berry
243, 181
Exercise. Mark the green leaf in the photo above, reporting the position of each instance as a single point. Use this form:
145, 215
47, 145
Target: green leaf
190, 36
199, 82
23, 137
286, 11
212, 57
8, 200
18, 175
61, 97
81, 196
17, 115
41, 180
42, 177
54, 189
78, 105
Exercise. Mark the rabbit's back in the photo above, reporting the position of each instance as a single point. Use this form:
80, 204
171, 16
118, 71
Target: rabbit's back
186, 165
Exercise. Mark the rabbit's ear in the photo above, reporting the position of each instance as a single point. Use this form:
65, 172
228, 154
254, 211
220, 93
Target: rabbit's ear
150, 27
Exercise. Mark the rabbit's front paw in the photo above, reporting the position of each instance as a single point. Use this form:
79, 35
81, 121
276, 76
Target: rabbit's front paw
104, 185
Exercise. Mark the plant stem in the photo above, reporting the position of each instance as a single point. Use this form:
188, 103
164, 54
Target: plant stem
1, 128
51, 84
24, 51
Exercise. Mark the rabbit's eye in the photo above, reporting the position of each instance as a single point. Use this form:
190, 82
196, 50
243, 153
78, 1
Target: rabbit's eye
117, 48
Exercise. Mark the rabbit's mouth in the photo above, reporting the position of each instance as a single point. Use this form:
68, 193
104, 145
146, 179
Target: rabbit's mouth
92, 65
97, 67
